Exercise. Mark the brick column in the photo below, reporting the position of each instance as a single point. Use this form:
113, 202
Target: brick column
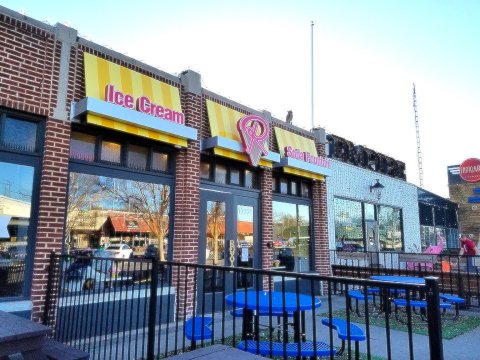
320, 228
187, 191
320, 213
51, 210
266, 232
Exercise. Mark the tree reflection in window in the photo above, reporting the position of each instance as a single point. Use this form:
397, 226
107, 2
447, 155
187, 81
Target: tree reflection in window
101, 210
215, 233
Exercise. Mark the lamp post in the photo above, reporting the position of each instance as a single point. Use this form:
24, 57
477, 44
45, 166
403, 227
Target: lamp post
377, 189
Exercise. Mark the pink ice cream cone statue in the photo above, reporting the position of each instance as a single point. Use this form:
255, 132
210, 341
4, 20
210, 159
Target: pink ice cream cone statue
436, 249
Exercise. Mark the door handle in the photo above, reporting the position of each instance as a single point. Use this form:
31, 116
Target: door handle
232, 253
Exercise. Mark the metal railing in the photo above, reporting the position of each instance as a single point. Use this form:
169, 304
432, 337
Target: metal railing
138, 309
459, 275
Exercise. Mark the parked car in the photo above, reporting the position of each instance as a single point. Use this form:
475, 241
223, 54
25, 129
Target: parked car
120, 251
87, 273
151, 252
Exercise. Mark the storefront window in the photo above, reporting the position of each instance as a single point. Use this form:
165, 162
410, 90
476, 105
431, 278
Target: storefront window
305, 190
159, 161
390, 230
283, 186
293, 188
220, 174
137, 157
82, 146
111, 152
16, 186
19, 134
348, 225
250, 179
215, 252
291, 231
235, 176
104, 210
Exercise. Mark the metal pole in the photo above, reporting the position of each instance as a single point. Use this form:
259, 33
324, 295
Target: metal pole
152, 313
434, 319
311, 45
48, 295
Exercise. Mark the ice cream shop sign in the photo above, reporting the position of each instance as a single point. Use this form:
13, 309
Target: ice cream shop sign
306, 156
142, 104
470, 170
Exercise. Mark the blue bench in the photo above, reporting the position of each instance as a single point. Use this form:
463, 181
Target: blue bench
346, 332
455, 300
287, 349
198, 328
420, 304
358, 296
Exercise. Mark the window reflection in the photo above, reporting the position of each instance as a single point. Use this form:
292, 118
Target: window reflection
111, 152
245, 244
215, 245
20, 134
291, 230
103, 211
16, 185
390, 231
348, 225
82, 146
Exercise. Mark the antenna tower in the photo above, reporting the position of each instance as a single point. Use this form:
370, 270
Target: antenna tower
419, 150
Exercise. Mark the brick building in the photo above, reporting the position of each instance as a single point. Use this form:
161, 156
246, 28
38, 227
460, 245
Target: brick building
86, 131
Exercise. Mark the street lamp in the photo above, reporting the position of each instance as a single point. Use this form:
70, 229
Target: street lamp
377, 189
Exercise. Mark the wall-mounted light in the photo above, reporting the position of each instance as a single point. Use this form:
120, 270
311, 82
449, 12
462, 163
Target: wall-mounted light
377, 189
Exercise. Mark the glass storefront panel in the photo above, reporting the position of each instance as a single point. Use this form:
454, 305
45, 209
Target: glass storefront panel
215, 252
111, 152
16, 187
104, 210
390, 230
291, 233
245, 244
19, 134
349, 233
82, 146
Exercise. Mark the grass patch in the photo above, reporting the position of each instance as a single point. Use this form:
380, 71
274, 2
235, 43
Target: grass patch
450, 328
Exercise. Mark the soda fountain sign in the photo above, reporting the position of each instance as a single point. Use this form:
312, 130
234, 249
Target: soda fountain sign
306, 156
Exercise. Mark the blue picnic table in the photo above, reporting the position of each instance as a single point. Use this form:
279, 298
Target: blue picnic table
274, 303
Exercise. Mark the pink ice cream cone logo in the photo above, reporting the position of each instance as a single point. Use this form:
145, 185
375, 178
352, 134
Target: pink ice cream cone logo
254, 131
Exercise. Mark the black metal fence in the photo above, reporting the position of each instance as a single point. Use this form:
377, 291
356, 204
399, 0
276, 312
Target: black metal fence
459, 275
146, 309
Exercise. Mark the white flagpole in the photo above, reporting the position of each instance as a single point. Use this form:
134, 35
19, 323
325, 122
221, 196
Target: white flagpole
313, 123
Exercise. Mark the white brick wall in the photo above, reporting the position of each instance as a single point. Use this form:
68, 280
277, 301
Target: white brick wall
352, 182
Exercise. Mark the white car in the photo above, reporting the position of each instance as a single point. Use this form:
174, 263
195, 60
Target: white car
120, 251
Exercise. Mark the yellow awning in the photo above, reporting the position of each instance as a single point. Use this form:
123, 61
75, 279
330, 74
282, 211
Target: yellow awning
223, 123
135, 130
302, 173
297, 166
223, 120
286, 138
99, 73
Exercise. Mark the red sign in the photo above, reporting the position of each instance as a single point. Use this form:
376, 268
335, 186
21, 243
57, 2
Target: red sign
254, 131
470, 170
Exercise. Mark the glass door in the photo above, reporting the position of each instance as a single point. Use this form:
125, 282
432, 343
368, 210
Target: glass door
228, 238
247, 243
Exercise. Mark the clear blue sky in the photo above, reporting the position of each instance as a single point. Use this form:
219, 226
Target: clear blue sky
367, 55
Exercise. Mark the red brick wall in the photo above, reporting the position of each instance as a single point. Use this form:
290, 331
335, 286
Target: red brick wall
266, 233
187, 201
29, 71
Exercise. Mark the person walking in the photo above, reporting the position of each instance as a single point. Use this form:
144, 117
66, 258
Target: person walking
468, 248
